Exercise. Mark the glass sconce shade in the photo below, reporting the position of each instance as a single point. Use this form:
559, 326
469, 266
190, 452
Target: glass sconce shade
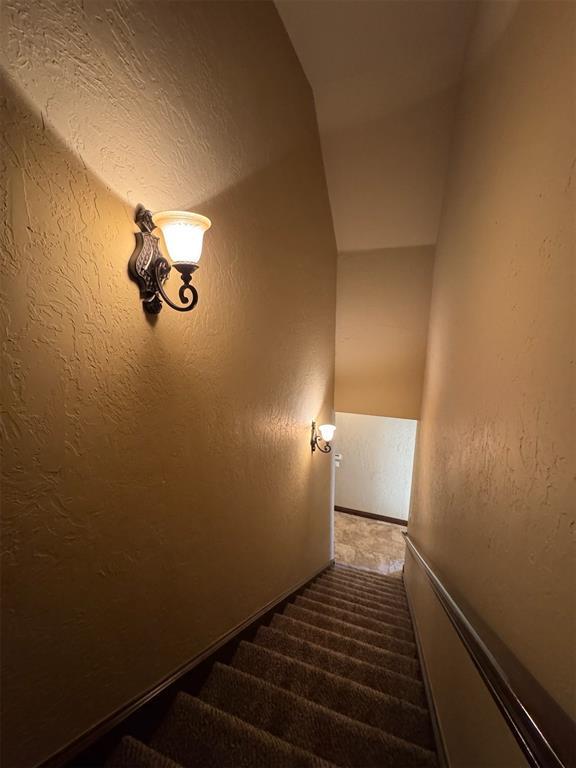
183, 233
327, 432
321, 437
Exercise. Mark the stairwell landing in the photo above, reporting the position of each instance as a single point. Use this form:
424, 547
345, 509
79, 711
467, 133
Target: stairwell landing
334, 680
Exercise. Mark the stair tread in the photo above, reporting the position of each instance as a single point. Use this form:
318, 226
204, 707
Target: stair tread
373, 591
198, 735
369, 574
132, 753
370, 583
353, 617
307, 725
333, 681
370, 590
386, 641
375, 610
361, 598
356, 649
380, 679
380, 710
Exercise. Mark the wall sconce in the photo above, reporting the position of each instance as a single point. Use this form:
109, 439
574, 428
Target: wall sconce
183, 233
324, 435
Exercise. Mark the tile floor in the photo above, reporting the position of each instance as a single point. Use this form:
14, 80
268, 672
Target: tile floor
368, 544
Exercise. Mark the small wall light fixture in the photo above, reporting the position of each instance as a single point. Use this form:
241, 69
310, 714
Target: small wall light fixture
321, 437
183, 233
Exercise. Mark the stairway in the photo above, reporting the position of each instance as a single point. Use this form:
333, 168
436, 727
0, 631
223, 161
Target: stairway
334, 680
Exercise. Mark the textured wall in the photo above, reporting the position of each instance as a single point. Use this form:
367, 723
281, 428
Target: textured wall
375, 473
474, 732
494, 502
158, 485
381, 330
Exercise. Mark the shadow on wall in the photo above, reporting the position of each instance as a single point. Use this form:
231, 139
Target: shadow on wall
397, 68
130, 73
153, 474
382, 316
399, 160
393, 141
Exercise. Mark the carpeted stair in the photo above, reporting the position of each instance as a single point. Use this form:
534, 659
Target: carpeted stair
334, 680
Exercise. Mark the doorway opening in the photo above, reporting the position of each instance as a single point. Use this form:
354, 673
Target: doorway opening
374, 460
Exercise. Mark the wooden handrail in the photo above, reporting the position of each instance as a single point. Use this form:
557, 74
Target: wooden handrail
532, 740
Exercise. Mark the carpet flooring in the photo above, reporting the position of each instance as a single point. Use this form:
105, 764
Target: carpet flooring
334, 680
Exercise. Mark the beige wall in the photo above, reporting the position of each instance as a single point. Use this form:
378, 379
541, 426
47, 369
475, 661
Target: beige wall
158, 485
474, 733
494, 502
381, 329
375, 472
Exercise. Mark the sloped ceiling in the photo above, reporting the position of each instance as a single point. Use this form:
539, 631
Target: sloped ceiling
385, 77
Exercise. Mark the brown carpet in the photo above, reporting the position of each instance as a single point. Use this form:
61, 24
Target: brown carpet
333, 681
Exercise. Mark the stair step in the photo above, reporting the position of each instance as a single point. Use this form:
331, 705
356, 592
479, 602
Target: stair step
359, 702
372, 582
132, 753
379, 678
395, 576
380, 640
307, 725
353, 617
356, 649
369, 591
336, 582
364, 573
198, 735
361, 602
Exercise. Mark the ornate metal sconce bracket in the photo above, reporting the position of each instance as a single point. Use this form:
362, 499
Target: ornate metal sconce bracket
150, 270
316, 440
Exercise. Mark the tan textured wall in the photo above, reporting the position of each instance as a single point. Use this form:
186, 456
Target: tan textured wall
474, 732
381, 329
158, 485
494, 503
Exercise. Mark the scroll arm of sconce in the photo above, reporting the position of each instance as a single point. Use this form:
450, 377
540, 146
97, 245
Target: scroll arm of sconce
162, 270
